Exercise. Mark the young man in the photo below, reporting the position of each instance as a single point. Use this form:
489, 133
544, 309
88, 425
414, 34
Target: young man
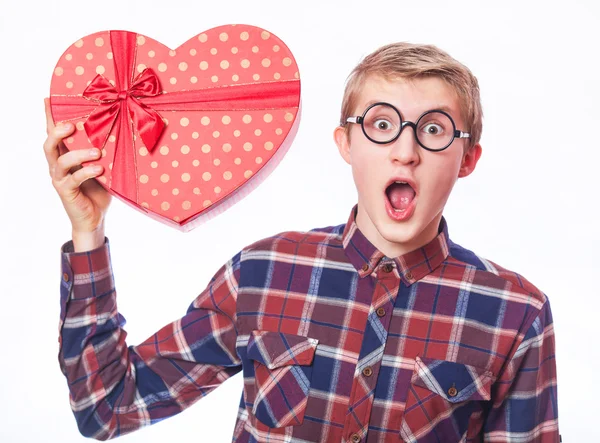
377, 330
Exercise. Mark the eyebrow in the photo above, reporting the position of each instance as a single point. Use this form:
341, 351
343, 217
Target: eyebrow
440, 108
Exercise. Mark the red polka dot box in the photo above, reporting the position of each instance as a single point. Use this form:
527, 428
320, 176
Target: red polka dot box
185, 133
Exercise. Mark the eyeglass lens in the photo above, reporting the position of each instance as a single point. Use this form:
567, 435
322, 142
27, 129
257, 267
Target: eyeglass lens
434, 130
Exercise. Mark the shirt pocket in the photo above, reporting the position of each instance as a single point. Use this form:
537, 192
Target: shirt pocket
442, 397
282, 374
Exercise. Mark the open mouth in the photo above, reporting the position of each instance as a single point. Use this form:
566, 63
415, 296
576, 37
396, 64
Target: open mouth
400, 195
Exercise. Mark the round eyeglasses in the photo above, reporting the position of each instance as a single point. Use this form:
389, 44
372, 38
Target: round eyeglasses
434, 130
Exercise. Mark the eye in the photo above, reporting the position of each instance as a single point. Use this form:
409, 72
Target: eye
433, 129
382, 124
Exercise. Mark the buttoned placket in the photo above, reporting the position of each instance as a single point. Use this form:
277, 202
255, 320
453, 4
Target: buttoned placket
387, 286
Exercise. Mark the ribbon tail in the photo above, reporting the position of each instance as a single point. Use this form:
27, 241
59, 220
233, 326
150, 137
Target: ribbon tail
99, 124
124, 174
147, 122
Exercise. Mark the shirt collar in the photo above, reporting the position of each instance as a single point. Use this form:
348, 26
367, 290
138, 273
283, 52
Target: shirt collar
412, 266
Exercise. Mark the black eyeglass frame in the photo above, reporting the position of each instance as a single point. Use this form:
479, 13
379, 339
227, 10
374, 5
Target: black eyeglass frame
361, 118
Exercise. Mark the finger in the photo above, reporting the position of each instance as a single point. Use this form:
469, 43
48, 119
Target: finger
62, 149
71, 162
51, 145
79, 177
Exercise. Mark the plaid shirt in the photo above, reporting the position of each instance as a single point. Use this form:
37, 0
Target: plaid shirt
336, 342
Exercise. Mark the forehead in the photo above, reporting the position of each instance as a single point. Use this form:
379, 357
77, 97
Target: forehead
412, 97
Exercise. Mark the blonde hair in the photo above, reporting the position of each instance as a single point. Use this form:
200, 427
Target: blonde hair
412, 61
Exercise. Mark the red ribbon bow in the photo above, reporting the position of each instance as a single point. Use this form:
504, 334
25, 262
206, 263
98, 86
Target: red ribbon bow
146, 121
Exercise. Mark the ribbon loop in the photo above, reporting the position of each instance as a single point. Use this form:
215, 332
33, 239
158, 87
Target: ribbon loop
146, 84
100, 90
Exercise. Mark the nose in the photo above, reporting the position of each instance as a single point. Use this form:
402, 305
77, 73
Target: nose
405, 148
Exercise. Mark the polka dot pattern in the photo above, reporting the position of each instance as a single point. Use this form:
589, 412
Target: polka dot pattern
202, 157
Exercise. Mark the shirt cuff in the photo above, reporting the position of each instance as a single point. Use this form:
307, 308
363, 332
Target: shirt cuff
70, 249
88, 273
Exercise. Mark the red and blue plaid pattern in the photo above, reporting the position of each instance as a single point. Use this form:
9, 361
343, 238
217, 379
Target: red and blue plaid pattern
282, 373
336, 342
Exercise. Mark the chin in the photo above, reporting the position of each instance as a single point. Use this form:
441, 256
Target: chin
400, 233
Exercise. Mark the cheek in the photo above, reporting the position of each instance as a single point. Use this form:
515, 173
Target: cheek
365, 167
444, 173
361, 178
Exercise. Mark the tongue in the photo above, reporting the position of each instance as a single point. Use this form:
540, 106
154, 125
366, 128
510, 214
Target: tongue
400, 195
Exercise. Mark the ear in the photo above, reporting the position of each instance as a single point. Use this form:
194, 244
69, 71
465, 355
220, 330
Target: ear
469, 161
341, 140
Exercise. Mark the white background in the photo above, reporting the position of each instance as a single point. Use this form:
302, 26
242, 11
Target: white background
530, 206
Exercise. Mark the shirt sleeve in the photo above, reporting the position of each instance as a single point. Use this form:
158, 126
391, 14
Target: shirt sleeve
525, 406
116, 389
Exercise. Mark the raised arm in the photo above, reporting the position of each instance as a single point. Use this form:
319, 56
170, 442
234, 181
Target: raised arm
116, 389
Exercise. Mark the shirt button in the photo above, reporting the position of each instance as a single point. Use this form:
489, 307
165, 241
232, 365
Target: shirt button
380, 312
452, 392
408, 275
367, 372
66, 277
388, 267
365, 267
355, 438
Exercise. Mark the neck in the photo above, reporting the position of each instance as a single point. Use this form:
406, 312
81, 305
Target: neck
395, 249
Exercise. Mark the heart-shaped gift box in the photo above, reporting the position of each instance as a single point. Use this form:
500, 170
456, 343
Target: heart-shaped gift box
185, 133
